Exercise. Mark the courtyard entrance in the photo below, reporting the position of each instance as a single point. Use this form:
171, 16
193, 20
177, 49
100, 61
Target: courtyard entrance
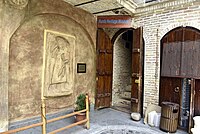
120, 70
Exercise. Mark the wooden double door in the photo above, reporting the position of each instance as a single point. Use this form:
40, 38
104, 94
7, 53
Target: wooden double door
180, 60
104, 73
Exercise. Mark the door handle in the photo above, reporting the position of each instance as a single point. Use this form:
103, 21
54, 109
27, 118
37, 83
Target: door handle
176, 89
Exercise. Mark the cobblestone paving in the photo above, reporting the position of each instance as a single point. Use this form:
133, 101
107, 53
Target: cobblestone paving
104, 121
122, 131
110, 121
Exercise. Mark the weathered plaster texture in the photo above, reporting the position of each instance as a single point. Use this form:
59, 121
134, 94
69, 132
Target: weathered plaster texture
26, 61
22, 53
10, 17
85, 19
3, 98
111, 31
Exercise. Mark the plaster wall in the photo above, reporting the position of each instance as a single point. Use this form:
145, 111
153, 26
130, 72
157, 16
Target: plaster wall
22, 53
10, 18
111, 32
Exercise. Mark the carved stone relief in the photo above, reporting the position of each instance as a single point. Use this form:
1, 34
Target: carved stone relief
58, 64
17, 3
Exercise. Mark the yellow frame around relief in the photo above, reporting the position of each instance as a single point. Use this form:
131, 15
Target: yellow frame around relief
43, 105
44, 55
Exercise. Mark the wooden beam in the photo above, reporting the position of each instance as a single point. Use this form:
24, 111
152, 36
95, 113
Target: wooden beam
66, 116
108, 10
69, 126
22, 128
55, 119
84, 3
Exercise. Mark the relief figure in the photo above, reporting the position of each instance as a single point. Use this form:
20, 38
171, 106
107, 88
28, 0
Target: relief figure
61, 56
58, 64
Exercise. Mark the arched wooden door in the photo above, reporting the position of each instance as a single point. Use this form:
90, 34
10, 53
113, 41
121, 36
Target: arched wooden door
180, 62
104, 70
137, 71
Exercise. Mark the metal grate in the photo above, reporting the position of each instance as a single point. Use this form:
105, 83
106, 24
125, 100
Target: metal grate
185, 105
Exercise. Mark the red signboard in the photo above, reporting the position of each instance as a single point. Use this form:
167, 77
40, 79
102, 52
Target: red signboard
114, 21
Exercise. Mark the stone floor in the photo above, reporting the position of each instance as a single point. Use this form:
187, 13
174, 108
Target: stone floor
104, 121
110, 121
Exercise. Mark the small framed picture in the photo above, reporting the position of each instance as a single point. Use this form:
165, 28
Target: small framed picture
81, 67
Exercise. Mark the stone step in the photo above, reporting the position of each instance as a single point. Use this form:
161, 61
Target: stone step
126, 95
124, 102
126, 109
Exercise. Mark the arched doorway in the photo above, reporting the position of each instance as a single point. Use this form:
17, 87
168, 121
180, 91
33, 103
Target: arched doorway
122, 70
128, 57
103, 95
180, 72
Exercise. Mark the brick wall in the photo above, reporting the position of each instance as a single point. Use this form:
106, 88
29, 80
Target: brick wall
121, 69
156, 21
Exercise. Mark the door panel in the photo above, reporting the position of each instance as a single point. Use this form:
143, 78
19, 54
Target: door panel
104, 70
100, 87
171, 59
137, 66
170, 90
179, 46
171, 53
188, 46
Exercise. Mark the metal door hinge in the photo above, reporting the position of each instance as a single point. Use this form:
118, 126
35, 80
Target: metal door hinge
134, 100
137, 81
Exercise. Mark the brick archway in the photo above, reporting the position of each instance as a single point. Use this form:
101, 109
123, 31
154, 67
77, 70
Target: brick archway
165, 30
118, 33
179, 69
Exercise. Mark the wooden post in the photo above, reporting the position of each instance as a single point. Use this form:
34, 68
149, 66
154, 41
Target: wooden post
43, 115
87, 112
43, 107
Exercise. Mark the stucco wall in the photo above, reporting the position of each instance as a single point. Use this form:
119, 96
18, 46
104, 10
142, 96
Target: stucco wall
11, 16
3, 102
25, 51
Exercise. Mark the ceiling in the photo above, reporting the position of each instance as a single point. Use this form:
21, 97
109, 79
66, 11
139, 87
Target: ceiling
105, 7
